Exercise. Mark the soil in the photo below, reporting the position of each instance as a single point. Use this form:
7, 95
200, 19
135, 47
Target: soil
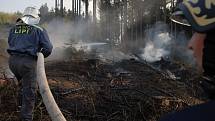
94, 90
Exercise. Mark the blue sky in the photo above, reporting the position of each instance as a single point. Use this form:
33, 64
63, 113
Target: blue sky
20, 5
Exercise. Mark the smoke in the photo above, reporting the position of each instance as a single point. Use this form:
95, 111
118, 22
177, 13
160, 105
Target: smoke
152, 53
115, 55
71, 39
101, 50
87, 47
180, 50
161, 44
63, 34
77, 41
59, 32
158, 43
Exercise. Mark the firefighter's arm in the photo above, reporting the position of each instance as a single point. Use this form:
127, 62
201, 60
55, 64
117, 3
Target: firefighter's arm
46, 45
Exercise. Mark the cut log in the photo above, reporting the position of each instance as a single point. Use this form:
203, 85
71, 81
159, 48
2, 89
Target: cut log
45, 92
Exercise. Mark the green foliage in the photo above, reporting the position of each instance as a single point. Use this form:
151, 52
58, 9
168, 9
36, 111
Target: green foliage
7, 18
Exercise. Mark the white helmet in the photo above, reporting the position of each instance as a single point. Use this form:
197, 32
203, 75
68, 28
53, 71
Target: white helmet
31, 11
31, 16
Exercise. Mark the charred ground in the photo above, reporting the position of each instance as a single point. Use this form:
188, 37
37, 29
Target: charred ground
128, 90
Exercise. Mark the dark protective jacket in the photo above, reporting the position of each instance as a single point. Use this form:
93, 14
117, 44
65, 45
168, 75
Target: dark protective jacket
209, 55
201, 16
28, 40
208, 83
201, 112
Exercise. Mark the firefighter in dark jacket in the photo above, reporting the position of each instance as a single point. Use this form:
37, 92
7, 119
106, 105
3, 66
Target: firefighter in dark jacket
25, 40
200, 15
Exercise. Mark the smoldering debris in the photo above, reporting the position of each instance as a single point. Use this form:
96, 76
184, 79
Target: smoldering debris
152, 53
131, 89
127, 89
160, 43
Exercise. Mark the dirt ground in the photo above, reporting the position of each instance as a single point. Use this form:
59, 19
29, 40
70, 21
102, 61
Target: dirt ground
94, 90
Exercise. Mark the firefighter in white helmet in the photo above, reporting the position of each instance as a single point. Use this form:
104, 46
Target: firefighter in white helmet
25, 40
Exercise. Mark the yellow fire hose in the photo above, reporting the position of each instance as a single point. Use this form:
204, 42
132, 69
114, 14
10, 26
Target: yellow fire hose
48, 99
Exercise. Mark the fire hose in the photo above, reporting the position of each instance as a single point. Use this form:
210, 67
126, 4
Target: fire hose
48, 99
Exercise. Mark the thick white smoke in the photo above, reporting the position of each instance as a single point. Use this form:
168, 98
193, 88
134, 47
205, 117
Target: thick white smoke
158, 43
66, 35
63, 34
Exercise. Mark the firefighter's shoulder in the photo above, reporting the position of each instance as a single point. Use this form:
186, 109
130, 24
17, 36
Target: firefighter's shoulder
38, 27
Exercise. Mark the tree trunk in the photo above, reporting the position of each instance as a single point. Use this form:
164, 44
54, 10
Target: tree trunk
73, 7
79, 8
86, 8
56, 4
76, 7
61, 8
94, 11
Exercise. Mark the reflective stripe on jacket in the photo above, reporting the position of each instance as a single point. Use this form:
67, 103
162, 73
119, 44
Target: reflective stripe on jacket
28, 39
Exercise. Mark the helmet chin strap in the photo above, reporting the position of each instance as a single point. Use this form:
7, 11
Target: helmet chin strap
30, 20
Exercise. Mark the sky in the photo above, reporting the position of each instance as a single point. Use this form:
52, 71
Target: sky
19, 5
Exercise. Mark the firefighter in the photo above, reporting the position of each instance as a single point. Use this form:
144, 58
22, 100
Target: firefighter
200, 15
25, 40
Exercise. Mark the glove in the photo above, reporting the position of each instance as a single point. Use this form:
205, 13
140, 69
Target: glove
45, 52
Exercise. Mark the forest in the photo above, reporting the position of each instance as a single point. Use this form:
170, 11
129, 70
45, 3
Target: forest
113, 60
